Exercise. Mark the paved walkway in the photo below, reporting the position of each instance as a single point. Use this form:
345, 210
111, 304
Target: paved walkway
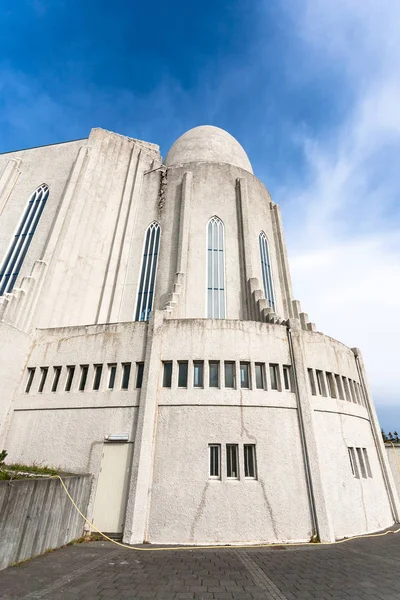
365, 569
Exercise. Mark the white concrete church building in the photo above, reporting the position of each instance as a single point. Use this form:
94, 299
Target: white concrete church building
149, 336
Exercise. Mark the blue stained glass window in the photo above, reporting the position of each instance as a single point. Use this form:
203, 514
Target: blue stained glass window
148, 272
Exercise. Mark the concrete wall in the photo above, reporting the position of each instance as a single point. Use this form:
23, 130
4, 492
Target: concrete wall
37, 515
393, 454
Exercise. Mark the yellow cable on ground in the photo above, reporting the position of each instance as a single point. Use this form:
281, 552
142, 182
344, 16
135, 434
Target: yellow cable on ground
221, 547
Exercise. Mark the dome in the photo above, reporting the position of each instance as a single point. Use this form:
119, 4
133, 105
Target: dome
207, 144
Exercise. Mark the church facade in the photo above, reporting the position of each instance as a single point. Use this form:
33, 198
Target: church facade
149, 336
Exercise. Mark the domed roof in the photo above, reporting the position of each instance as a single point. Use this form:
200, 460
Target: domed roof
207, 144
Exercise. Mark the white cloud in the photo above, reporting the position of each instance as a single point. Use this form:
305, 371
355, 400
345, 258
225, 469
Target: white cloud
344, 224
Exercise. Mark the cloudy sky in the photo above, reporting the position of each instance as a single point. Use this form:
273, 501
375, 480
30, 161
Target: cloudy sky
311, 89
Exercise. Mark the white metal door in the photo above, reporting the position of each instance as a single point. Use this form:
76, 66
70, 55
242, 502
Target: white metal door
112, 487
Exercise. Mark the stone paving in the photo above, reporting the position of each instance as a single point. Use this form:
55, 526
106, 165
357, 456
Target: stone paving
363, 569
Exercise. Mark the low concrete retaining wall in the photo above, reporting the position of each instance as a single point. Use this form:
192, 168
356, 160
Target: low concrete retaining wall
36, 515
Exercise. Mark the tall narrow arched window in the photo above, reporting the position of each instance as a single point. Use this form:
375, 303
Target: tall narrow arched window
12, 263
215, 269
148, 272
266, 270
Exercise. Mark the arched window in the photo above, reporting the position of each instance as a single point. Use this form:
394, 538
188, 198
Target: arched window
148, 272
266, 270
12, 263
215, 269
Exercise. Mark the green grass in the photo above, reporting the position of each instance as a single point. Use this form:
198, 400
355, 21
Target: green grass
18, 471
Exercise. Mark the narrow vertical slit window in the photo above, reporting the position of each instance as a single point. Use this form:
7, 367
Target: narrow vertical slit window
244, 375
215, 460
83, 379
31, 375
56, 378
213, 373
215, 269
321, 383
19, 246
139, 374
70, 378
43, 377
287, 377
266, 270
361, 462
353, 463
331, 385
148, 272
112, 372
352, 391
260, 376
312, 382
346, 389
198, 373
250, 470
232, 461
126, 375
167, 374
98, 369
274, 375
182, 373
339, 386
366, 461
229, 374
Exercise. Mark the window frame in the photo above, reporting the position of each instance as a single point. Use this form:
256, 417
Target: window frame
261, 370
126, 375
148, 272
266, 269
198, 363
216, 447
252, 448
215, 310
274, 368
231, 363
167, 373
229, 468
211, 365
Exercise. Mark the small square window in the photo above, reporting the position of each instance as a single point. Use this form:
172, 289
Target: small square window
287, 377
260, 376
98, 369
274, 375
167, 375
70, 377
250, 470
126, 375
244, 375
232, 462
198, 373
215, 460
230, 374
182, 374
43, 377
84, 374
312, 382
213, 373
139, 374
56, 378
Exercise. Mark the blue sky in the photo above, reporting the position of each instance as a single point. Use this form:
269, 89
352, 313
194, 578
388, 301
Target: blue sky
311, 89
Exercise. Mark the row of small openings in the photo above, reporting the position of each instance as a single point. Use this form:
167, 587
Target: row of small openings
234, 467
359, 462
336, 386
98, 382
232, 374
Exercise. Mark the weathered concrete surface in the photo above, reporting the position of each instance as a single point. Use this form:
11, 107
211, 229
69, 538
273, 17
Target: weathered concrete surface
393, 454
363, 569
37, 515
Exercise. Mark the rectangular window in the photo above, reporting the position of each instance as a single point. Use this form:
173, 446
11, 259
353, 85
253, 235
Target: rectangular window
346, 389
274, 374
139, 374
31, 374
331, 385
287, 377
360, 391
260, 376
84, 374
213, 373
98, 369
366, 461
229, 374
182, 374
312, 382
112, 372
353, 463
126, 375
215, 460
250, 470
361, 462
321, 383
56, 378
70, 378
339, 386
244, 375
43, 377
167, 375
357, 392
198, 373
232, 462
